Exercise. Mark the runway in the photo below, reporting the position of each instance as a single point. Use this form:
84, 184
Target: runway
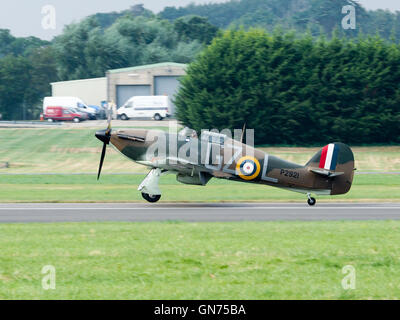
224, 212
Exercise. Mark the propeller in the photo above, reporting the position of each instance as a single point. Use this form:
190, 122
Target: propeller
105, 137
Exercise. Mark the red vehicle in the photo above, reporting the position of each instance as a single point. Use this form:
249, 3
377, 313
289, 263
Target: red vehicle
64, 114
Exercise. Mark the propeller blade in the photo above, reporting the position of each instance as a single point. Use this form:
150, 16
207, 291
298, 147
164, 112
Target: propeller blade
103, 154
105, 137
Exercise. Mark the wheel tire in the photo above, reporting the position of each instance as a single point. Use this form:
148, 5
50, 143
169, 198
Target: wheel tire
50, 120
311, 201
151, 198
77, 120
124, 117
157, 117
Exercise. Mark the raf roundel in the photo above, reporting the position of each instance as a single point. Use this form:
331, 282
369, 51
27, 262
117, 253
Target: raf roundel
248, 168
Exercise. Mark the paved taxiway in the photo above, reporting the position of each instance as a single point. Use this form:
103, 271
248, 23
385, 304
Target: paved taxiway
25, 213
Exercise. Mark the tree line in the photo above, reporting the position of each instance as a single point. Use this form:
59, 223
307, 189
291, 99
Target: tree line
316, 16
295, 90
27, 66
88, 49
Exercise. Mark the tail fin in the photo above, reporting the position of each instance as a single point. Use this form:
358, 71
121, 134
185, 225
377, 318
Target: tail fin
334, 161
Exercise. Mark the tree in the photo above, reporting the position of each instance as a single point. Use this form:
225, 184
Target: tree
14, 79
43, 72
191, 28
70, 50
24, 81
18, 46
300, 15
85, 50
295, 91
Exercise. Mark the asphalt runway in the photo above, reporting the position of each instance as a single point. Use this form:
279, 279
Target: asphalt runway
224, 212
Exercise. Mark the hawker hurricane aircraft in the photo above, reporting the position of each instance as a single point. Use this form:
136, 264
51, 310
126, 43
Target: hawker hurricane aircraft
196, 160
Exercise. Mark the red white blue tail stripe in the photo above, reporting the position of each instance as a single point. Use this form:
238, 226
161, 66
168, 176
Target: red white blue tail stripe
329, 157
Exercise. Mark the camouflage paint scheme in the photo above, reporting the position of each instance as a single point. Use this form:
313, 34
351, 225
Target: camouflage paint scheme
233, 157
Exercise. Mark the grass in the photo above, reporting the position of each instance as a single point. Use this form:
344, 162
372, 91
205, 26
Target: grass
269, 260
58, 150
123, 188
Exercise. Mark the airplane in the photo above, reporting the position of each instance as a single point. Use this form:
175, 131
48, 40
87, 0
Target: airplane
196, 160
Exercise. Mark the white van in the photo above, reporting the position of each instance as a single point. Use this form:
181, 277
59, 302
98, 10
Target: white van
156, 107
70, 103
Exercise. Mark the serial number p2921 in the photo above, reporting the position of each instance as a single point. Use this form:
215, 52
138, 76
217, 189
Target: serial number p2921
290, 174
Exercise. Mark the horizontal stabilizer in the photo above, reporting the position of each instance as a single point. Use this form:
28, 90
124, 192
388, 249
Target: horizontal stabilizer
327, 173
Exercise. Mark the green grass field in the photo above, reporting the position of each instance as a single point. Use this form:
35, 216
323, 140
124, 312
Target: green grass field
269, 260
123, 188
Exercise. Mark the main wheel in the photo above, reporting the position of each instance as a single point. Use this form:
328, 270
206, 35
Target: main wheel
311, 201
77, 120
157, 117
151, 198
124, 117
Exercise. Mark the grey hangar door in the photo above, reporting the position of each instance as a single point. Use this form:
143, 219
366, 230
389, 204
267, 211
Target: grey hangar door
124, 93
167, 85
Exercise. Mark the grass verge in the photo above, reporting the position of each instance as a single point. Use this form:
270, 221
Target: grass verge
123, 188
268, 260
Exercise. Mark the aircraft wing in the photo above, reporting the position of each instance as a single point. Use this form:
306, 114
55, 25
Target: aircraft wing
183, 166
177, 164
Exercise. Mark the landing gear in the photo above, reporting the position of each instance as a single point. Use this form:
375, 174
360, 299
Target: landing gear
311, 201
151, 198
149, 187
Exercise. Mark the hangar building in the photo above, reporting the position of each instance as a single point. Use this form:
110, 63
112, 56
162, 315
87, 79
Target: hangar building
121, 84
92, 91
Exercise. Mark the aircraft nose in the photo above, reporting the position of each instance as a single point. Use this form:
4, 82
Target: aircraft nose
103, 136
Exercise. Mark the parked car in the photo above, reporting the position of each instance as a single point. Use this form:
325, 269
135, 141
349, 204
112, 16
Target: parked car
70, 102
64, 114
156, 107
100, 112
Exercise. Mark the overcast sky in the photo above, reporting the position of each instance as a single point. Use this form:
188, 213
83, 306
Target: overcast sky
24, 17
